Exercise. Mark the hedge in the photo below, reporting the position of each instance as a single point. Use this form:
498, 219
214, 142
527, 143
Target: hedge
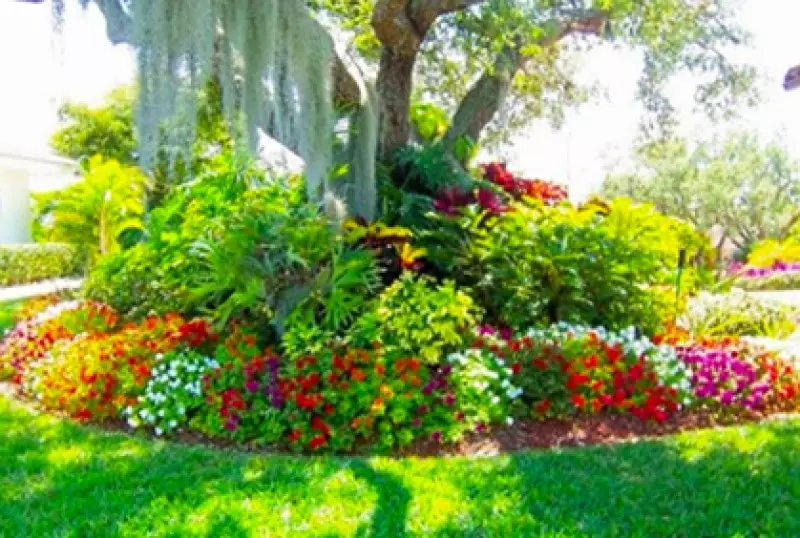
23, 264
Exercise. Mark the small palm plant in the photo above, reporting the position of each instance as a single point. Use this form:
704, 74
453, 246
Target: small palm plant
94, 213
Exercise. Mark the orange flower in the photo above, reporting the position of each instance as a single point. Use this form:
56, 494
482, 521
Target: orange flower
358, 375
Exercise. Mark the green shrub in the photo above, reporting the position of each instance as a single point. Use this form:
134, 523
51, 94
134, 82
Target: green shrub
413, 317
23, 264
238, 247
739, 313
533, 268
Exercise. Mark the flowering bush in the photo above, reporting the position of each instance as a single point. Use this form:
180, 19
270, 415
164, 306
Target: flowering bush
33, 337
738, 314
243, 397
730, 374
97, 375
482, 383
780, 276
343, 397
173, 392
566, 370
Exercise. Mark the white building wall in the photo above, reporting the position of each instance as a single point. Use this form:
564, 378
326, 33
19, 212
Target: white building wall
15, 207
20, 175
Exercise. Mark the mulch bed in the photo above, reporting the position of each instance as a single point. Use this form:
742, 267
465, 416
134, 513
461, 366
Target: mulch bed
523, 435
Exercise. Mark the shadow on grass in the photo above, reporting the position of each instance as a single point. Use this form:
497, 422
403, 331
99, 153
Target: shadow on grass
57, 479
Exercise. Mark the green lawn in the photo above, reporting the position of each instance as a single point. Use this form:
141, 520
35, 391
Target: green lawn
58, 479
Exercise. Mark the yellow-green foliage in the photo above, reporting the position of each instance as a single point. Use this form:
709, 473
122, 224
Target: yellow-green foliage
414, 318
766, 253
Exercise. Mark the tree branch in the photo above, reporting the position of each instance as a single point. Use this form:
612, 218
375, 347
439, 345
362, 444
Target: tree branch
484, 98
119, 28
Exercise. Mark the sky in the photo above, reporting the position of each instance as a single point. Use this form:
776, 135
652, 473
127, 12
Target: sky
40, 70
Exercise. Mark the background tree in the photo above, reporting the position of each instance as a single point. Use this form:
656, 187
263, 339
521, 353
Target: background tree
474, 57
749, 188
109, 130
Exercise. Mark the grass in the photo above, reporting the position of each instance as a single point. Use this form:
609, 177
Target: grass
60, 479
7, 310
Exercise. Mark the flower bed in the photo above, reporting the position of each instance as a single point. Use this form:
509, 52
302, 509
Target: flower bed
780, 276
169, 375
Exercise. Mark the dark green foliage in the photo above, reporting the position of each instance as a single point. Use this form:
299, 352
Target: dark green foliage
236, 246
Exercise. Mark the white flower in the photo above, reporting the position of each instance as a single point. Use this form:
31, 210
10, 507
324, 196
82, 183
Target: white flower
159, 431
510, 421
133, 423
173, 424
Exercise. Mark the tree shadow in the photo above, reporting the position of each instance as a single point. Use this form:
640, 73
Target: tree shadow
389, 517
57, 478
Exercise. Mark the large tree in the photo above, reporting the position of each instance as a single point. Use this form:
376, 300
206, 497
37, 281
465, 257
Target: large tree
749, 188
476, 58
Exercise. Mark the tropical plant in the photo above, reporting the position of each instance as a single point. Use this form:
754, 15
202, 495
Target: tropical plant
94, 213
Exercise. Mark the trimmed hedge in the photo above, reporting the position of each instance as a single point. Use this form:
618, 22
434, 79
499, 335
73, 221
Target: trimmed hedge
23, 264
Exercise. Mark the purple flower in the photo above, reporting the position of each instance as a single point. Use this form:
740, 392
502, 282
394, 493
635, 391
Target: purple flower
427, 390
460, 416
727, 398
486, 330
436, 437
252, 386
450, 399
506, 334
417, 422
422, 409
480, 428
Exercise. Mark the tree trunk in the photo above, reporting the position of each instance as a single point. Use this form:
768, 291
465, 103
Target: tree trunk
393, 86
482, 102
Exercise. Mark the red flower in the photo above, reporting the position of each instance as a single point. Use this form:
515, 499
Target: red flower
578, 401
358, 375
317, 442
614, 353
540, 364
591, 362
636, 372
576, 380
318, 424
516, 368
597, 405
598, 386
295, 436
413, 364
542, 407
84, 414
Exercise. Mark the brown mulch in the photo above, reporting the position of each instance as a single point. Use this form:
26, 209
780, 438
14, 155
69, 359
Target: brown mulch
523, 435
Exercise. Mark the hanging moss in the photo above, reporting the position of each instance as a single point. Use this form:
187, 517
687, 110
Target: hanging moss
274, 67
268, 65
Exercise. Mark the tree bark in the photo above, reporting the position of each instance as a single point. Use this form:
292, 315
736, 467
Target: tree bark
393, 86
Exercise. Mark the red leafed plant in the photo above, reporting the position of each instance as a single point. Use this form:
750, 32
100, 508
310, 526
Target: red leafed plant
538, 189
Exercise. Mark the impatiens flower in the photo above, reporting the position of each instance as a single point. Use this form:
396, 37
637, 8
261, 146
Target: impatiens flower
317, 442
